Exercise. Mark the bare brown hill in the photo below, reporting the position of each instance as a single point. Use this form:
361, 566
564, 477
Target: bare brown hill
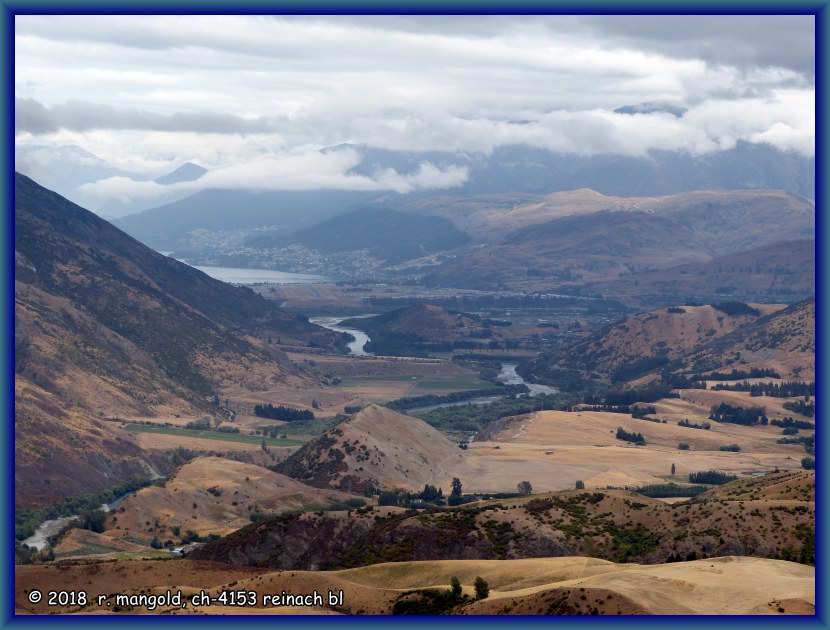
212, 495
104, 326
612, 524
783, 341
375, 448
641, 342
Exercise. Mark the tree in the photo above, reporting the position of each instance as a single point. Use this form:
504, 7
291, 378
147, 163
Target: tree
482, 588
455, 495
524, 488
156, 543
672, 468
455, 586
580, 485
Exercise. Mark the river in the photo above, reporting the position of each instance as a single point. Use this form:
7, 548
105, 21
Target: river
361, 338
508, 376
39, 541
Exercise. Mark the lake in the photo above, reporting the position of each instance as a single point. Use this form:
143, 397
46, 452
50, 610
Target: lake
241, 275
234, 275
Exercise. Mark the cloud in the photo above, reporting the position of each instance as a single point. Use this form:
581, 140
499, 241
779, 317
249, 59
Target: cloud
304, 169
228, 91
33, 117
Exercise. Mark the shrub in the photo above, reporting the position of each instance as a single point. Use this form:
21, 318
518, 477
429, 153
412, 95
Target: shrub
580, 485
524, 488
683, 446
455, 585
482, 588
808, 463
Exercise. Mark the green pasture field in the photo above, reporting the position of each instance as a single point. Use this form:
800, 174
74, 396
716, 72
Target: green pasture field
210, 435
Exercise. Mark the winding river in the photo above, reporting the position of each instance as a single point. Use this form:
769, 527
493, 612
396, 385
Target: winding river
508, 376
361, 338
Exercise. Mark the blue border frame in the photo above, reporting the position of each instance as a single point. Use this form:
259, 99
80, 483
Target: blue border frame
10, 8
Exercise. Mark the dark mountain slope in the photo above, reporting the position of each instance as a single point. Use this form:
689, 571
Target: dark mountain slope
106, 327
386, 234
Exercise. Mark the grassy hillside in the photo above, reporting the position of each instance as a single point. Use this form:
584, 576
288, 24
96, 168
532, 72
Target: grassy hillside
783, 341
538, 586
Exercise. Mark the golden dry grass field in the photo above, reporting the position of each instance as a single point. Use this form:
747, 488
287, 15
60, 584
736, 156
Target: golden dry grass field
718, 586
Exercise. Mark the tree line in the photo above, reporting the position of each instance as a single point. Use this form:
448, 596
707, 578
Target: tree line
636, 438
281, 412
787, 389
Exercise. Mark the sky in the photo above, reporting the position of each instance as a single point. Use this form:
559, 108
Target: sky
254, 99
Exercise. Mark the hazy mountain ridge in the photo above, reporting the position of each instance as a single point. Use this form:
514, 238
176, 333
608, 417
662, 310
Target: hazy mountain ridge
386, 234
584, 245
276, 212
783, 270
572, 249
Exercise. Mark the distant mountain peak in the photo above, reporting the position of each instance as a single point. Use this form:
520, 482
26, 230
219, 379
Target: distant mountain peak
187, 172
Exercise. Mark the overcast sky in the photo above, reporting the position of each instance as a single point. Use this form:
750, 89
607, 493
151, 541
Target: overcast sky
253, 99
